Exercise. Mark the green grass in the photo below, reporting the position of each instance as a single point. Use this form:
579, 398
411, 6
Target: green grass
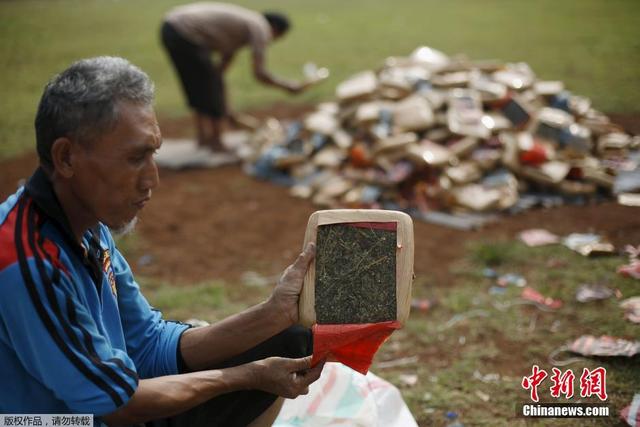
506, 339
592, 45
205, 301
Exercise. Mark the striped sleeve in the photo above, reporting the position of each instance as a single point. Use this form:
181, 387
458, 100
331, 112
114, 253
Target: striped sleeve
52, 332
152, 342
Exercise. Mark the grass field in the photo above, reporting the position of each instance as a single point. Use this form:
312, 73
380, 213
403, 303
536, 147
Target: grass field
592, 45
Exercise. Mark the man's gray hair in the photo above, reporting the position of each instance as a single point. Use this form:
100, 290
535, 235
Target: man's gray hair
81, 102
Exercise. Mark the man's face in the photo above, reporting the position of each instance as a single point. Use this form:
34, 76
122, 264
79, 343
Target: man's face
115, 173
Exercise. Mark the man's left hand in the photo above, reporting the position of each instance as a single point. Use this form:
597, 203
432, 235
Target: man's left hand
287, 292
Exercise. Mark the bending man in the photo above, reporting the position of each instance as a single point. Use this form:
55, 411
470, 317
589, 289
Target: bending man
190, 33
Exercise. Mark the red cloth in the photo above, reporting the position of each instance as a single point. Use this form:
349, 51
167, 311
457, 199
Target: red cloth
353, 345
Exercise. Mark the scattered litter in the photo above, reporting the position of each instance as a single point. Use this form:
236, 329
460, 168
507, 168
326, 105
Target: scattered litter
575, 240
408, 380
423, 304
504, 305
463, 316
633, 252
530, 294
462, 340
588, 345
630, 270
397, 362
512, 279
631, 307
588, 244
586, 293
427, 396
489, 273
631, 413
633, 268
452, 420
538, 237
483, 396
497, 290
486, 378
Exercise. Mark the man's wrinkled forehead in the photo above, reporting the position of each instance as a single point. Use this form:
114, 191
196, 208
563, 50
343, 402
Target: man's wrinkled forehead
136, 127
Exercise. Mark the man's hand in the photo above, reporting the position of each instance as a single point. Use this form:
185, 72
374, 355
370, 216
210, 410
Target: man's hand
287, 292
285, 377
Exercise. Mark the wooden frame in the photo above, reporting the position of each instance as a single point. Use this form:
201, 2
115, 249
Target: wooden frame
404, 256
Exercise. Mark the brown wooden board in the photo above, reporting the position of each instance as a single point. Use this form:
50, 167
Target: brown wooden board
363, 269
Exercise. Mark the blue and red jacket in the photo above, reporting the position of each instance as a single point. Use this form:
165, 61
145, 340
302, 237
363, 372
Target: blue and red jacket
76, 334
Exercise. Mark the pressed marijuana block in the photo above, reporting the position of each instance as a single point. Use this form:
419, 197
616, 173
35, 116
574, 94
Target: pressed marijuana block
363, 268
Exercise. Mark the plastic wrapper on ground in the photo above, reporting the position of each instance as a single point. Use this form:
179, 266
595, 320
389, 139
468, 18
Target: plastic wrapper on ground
343, 397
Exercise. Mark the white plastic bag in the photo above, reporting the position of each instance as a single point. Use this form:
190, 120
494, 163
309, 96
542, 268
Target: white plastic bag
343, 397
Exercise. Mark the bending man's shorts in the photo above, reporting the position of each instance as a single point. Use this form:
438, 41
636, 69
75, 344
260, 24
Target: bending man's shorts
201, 80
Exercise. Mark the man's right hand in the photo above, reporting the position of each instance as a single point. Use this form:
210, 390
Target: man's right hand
288, 378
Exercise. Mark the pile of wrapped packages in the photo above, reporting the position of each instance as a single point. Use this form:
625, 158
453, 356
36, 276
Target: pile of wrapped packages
447, 137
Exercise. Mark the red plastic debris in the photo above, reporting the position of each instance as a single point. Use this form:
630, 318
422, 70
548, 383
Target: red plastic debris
630, 270
531, 294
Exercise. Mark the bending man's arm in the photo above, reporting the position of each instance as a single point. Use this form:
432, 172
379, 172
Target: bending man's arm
170, 395
201, 348
262, 75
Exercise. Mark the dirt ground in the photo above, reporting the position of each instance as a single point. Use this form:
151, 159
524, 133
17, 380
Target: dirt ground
219, 224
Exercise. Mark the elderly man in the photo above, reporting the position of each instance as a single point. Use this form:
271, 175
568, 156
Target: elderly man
190, 33
76, 334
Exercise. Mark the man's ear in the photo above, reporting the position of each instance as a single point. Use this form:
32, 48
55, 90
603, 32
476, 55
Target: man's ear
62, 157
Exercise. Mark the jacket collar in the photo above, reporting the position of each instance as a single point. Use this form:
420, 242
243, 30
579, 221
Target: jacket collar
40, 189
